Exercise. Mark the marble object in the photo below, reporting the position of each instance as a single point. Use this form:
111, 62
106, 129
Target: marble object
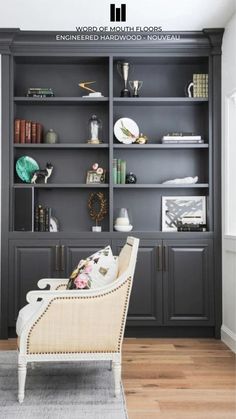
184, 180
122, 221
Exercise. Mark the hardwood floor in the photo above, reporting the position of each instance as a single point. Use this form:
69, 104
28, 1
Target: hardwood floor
176, 378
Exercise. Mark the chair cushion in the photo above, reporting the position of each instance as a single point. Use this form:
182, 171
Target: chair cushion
25, 314
95, 271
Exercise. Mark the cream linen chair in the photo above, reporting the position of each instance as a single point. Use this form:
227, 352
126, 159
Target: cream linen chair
76, 325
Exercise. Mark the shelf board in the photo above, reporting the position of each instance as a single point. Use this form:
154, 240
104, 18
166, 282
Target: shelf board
61, 185
58, 100
159, 146
106, 185
162, 186
60, 145
139, 101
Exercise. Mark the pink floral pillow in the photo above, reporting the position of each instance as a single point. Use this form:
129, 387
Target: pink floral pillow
96, 271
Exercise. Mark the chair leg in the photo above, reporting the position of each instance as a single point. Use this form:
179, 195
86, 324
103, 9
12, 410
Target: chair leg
22, 370
117, 376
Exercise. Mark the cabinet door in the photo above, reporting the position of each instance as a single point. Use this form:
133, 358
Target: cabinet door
29, 261
187, 282
72, 251
145, 307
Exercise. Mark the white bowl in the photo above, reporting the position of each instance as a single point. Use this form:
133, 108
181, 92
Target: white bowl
123, 228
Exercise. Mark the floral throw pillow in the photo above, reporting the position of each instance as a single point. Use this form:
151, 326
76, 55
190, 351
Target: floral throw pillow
97, 270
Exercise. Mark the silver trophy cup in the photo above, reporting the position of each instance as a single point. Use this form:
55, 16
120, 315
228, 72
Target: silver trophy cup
123, 70
135, 86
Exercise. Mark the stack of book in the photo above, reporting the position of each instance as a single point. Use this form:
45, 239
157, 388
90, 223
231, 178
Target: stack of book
181, 138
27, 131
200, 85
119, 171
40, 92
42, 218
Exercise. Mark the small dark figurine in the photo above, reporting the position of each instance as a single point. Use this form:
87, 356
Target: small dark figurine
131, 178
42, 175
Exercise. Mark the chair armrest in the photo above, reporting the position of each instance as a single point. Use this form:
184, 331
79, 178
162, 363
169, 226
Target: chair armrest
54, 283
47, 295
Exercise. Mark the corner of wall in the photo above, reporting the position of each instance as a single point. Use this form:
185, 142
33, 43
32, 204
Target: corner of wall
228, 337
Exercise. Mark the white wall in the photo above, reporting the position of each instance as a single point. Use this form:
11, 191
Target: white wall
67, 14
228, 331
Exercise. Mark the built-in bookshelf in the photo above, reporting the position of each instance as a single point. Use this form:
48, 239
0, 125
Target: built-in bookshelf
161, 108
178, 275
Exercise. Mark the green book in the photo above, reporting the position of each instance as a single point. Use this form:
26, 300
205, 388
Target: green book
114, 171
122, 171
118, 171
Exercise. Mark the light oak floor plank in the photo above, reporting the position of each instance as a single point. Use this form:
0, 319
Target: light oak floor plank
176, 378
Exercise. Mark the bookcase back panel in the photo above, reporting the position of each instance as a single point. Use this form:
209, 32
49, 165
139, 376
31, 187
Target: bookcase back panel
145, 205
62, 78
70, 207
157, 166
159, 78
69, 166
156, 121
70, 122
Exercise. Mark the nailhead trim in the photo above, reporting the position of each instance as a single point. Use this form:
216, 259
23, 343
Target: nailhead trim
59, 286
89, 298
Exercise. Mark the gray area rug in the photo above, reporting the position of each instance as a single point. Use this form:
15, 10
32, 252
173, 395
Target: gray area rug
82, 390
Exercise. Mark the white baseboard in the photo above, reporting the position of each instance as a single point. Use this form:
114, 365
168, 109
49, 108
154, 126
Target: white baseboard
229, 338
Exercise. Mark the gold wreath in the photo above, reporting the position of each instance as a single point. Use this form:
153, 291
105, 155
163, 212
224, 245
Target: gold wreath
97, 197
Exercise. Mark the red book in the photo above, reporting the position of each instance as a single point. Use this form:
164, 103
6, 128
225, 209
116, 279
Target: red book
17, 131
39, 133
33, 132
28, 132
22, 131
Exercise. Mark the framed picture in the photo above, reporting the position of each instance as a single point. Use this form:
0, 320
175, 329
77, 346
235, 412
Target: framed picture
94, 177
188, 209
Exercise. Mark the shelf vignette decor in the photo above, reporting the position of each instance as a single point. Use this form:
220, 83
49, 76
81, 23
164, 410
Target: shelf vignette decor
97, 205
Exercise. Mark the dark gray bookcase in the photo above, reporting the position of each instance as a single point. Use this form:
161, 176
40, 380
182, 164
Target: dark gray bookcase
177, 286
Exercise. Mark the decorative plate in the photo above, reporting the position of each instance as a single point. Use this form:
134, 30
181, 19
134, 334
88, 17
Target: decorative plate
25, 168
126, 130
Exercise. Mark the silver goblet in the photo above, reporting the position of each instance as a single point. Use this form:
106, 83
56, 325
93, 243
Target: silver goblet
136, 86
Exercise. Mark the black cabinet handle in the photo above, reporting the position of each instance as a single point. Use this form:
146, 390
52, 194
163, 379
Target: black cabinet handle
57, 266
62, 258
165, 258
159, 257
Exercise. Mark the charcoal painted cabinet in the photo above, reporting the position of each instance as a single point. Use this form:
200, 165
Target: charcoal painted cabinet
188, 282
173, 283
29, 261
145, 306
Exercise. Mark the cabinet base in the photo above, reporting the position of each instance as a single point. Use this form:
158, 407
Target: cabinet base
170, 332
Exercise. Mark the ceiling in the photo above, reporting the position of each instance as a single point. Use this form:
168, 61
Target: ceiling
67, 14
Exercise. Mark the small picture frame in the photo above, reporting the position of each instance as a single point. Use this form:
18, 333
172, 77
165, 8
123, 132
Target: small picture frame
94, 177
189, 209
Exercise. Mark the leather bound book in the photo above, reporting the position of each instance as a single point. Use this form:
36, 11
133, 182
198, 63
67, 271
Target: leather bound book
39, 133
41, 219
33, 132
28, 132
17, 131
22, 131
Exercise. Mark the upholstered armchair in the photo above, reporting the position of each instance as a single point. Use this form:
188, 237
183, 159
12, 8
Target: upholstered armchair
76, 325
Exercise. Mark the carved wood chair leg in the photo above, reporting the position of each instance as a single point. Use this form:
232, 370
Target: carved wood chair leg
22, 370
117, 376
